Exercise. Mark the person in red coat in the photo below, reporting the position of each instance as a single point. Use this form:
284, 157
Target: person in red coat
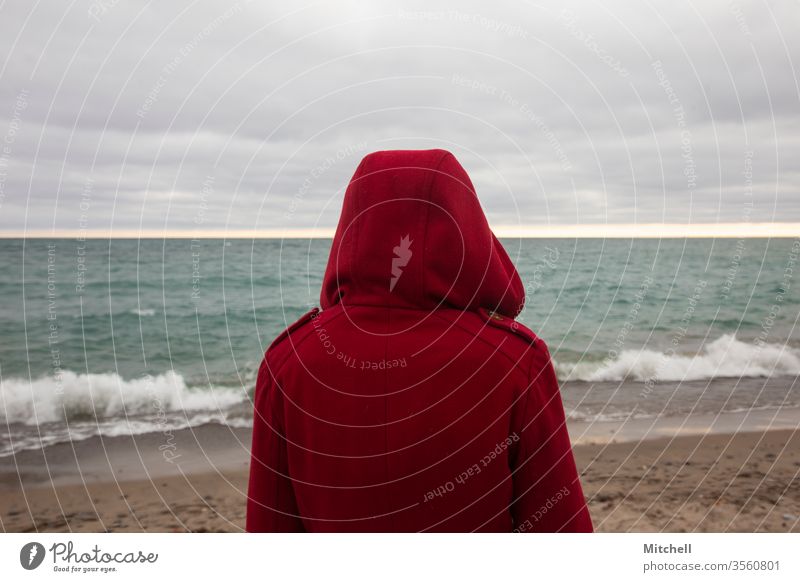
412, 401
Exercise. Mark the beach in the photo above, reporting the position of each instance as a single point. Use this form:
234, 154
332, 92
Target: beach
702, 481
127, 392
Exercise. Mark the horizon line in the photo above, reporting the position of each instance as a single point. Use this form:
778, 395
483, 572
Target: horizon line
608, 230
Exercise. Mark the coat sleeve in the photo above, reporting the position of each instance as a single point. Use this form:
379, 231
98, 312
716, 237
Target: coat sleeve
547, 490
271, 503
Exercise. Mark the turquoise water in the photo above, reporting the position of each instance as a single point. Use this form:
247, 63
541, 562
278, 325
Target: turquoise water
99, 328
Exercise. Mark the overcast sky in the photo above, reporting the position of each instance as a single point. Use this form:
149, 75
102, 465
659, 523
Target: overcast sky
173, 116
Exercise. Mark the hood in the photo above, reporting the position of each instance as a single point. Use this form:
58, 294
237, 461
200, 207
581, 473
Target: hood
412, 234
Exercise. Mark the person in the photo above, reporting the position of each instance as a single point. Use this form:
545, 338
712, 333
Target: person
412, 401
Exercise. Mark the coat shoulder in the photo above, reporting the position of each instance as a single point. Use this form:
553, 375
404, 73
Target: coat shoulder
503, 334
509, 325
280, 348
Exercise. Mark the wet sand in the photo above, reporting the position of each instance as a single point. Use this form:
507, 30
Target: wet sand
748, 482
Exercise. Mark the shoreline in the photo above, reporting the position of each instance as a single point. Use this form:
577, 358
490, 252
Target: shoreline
703, 481
211, 436
665, 427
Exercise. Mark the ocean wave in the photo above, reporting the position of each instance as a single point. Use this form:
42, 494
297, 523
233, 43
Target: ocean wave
725, 357
80, 396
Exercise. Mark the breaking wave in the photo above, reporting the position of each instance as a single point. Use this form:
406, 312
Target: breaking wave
725, 357
72, 396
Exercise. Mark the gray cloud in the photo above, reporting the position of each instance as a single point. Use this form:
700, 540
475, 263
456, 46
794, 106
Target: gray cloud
254, 115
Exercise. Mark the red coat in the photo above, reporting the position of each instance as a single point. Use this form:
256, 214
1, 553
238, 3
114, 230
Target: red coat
412, 401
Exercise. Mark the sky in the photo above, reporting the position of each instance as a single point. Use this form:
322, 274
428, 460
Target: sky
184, 118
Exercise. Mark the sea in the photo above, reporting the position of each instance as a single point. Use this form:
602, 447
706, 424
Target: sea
126, 336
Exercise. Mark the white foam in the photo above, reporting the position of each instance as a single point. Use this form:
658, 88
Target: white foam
72, 395
725, 357
144, 312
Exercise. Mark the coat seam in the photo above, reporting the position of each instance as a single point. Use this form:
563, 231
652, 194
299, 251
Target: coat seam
429, 193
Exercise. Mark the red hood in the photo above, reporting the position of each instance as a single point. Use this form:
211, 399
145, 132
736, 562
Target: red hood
412, 234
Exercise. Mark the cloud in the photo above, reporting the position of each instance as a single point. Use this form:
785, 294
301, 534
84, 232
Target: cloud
561, 113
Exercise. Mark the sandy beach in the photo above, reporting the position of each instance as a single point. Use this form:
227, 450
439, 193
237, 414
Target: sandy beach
714, 482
